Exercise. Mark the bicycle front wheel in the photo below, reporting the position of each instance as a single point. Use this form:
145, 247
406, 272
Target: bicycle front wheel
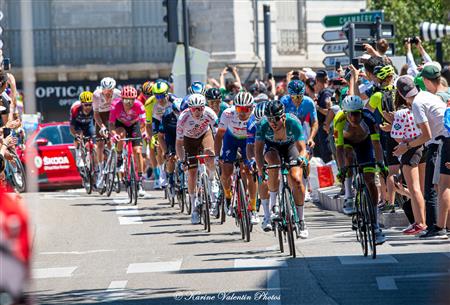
289, 217
19, 176
111, 167
361, 232
206, 204
133, 182
370, 223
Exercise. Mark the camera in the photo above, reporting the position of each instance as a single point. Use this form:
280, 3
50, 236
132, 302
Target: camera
6, 64
413, 40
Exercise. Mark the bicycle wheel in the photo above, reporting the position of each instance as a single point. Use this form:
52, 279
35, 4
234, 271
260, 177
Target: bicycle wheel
287, 203
279, 231
89, 175
370, 223
361, 234
18, 174
133, 182
111, 172
206, 203
245, 217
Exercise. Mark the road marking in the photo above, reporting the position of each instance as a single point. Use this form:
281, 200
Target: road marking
121, 200
155, 267
273, 287
131, 215
75, 252
388, 282
259, 263
114, 291
48, 273
361, 260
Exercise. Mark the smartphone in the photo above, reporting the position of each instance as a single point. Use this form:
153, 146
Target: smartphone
269, 76
337, 65
355, 62
229, 68
6, 64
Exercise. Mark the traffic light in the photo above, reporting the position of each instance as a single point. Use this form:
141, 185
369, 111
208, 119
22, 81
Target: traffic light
171, 18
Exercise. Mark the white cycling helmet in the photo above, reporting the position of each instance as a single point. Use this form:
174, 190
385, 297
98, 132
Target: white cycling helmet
196, 100
259, 111
243, 99
108, 83
352, 103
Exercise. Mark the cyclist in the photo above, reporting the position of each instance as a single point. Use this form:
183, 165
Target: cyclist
155, 107
357, 131
144, 95
102, 100
232, 133
167, 137
279, 138
127, 118
146, 92
214, 98
194, 133
82, 121
263, 191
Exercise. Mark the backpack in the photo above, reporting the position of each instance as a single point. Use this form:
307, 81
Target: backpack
388, 99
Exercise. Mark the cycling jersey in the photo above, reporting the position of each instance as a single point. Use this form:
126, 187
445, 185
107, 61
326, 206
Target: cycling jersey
154, 110
223, 106
251, 130
188, 126
137, 112
294, 131
142, 98
232, 124
306, 112
78, 117
341, 125
100, 104
380, 102
168, 127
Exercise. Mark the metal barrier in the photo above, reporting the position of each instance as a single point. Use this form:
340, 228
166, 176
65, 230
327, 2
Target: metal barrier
81, 46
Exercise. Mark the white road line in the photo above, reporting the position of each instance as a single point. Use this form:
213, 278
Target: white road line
259, 263
121, 200
273, 287
361, 260
76, 252
388, 282
131, 215
155, 267
115, 291
48, 273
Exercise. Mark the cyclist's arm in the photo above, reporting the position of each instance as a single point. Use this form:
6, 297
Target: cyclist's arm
72, 130
179, 148
98, 119
162, 143
314, 129
218, 141
259, 154
250, 149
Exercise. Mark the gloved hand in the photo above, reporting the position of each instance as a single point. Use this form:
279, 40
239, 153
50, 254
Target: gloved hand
104, 131
115, 138
251, 164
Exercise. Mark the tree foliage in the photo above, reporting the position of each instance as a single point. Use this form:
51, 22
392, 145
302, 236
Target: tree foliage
407, 16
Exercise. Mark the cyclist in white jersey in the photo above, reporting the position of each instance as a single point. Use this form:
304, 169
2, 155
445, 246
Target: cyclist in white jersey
101, 103
193, 136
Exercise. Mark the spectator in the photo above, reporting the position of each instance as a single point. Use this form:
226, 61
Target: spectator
428, 110
323, 104
445, 73
310, 83
229, 86
413, 69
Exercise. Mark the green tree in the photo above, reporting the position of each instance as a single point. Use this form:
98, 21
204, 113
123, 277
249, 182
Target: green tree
407, 16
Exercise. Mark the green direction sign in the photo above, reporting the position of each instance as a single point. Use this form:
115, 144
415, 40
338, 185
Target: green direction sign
340, 20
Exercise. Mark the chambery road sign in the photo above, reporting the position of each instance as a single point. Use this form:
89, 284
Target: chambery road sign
330, 61
333, 35
333, 48
340, 20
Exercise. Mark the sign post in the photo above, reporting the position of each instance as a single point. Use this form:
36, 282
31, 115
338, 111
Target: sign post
339, 20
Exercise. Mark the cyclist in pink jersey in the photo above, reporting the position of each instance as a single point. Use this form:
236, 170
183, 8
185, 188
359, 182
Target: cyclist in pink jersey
126, 119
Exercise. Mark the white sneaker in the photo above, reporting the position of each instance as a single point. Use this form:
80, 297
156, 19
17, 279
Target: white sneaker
303, 230
307, 197
266, 225
214, 211
141, 191
254, 219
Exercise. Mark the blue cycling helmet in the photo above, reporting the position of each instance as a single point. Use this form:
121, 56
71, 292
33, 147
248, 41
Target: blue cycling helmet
296, 87
197, 87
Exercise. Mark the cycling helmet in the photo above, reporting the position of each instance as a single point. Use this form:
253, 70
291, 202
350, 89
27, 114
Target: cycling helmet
160, 87
147, 88
197, 87
296, 87
274, 109
128, 92
352, 103
243, 99
257, 87
108, 83
382, 72
196, 100
176, 105
86, 97
262, 97
259, 111
213, 94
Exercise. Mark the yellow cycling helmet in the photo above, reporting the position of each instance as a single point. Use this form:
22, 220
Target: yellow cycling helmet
382, 72
86, 97
147, 88
160, 87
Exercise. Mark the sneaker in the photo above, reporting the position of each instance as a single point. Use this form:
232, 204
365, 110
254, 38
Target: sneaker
157, 185
214, 211
388, 207
308, 197
409, 228
349, 206
303, 230
275, 215
195, 217
380, 238
435, 233
227, 207
266, 225
141, 191
415, 230
381, 204
254, 219
163, 179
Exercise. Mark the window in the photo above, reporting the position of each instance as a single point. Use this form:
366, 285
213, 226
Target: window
67, 138
51, 133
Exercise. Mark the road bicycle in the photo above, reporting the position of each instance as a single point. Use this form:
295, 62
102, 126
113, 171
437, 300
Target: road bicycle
110, 171
87, 168
130, 177
181, 188
15, 172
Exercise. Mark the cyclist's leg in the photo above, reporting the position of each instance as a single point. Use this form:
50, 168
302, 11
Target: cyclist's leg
101, 144
192, 147
120, 130
248, 177
271, 156
170, 163
207, 145
229, 152
154, 162
349, 205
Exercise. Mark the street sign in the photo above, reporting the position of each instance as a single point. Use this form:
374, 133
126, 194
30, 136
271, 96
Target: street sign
330, 61
340, 20
365, 30
333, 48
333, 35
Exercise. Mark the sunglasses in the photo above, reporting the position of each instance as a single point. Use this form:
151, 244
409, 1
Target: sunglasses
243, 109
355, 113
160, 96
87, 104
198, 108
128, 100
297, 96
275, 119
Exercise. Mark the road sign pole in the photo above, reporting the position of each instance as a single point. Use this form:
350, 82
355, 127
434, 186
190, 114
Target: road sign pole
186, 45
378, 25
351, 41
267, 41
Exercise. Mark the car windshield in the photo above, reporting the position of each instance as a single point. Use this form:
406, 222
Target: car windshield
50, 133
67, 138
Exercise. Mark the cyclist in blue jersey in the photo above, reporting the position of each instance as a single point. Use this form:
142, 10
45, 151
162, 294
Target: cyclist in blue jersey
279, 138
214, 99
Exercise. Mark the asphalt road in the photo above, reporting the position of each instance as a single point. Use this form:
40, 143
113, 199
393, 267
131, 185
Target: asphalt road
93, 249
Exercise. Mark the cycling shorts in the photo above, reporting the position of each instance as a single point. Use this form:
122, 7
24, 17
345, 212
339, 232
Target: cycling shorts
170, 140
364, 152
87, 130
193, 146
231, 145
133, 131
155, 125
288, 152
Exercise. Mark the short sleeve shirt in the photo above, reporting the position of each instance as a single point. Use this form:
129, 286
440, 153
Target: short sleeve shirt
306, 112
403, 126
99, 102
188, 126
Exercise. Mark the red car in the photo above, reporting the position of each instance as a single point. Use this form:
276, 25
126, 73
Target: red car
51, 152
